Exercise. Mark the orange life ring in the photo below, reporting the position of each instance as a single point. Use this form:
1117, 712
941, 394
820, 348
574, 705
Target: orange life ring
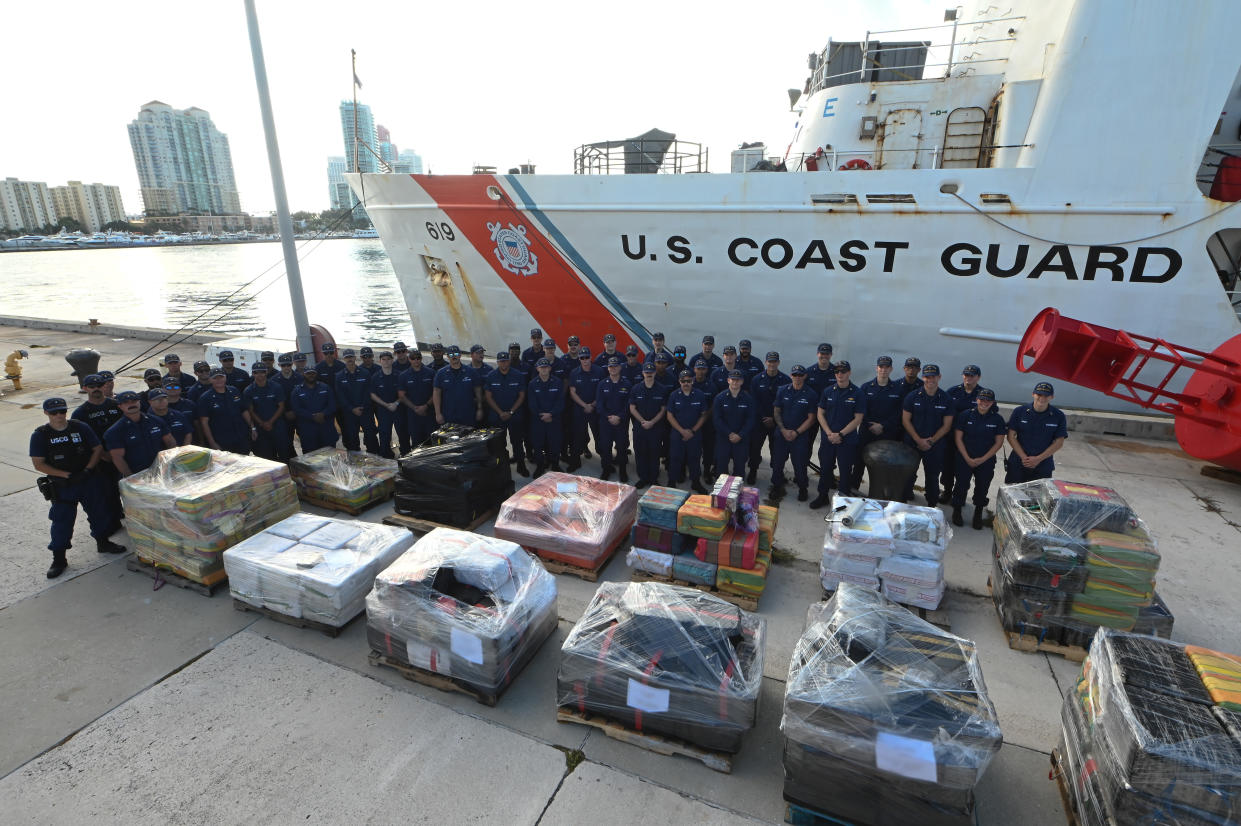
855, 163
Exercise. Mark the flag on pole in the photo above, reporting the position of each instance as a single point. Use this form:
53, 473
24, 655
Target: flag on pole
356, 82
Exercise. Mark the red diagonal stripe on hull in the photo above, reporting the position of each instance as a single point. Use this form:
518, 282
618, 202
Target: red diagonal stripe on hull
556, 296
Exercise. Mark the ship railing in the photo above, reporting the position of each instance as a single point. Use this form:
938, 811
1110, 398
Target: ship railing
636, 156
830, 159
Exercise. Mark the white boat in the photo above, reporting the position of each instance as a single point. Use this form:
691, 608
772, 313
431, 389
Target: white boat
369, 232
1040, 154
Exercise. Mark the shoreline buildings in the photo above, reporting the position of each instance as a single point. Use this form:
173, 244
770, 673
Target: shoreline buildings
184, 163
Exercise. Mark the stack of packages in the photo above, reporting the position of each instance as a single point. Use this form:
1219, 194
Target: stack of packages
741, 551
465, 606
656, 544
1070, 558
884, 545
190, 505
1144, 741
313, 567
456, 477
570, 519
664, 659
886, 717
349, 480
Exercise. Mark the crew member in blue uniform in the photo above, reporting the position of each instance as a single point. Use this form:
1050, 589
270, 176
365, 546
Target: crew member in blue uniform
719, 376
179, 425
735, 419
546, 402
688, 410
1035, 432
657, 347
609, 350
480, 367
515, 362
314, 403
564, 366
99, 413
177, 400
353, 400
266, 402
707, 356
504, 393
613, 405
764, 388
415, 387
288, 381
400, 357
366, 359
137, 438
202, 372
631, 370
109, 383
154, 381
926, 417
883, 414
300, 362
233, 376
224, 420
558, 365
910, 381
68, 451
172, 363
822, 374
979, 434
583, 395
402, 361
648, 406
795, 411
704, 385
841, 410
329, 366
531, 355
678, 360
385, 389
458, 393
962, 396
438, 359
663, 371
749, 366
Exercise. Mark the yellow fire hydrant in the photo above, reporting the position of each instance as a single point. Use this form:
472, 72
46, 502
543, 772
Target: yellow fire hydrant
13, 370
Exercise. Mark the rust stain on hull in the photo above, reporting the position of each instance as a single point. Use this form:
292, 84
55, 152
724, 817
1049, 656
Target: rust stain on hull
471, 295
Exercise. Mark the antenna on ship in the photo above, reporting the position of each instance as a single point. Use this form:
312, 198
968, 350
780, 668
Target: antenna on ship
301, 323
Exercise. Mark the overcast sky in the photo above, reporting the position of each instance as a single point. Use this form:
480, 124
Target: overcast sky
497, 83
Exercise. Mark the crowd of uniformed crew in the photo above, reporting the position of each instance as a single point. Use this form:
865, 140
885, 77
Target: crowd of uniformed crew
697, 416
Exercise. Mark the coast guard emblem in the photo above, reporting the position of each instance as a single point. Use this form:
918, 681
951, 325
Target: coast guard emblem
513, 248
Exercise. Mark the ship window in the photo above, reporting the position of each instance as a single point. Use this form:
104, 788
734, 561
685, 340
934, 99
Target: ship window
834, 198
1224, 248
890, 198
994, 198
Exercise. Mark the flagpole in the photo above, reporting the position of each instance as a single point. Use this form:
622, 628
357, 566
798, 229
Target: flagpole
301, 322
354, 55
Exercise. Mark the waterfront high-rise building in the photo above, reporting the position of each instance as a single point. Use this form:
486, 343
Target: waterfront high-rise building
184, 163
25, 205
359, 157
408, 162
338, 191
91, 205
387, 149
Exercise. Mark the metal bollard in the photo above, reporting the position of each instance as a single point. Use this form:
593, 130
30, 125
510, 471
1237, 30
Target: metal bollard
84, 362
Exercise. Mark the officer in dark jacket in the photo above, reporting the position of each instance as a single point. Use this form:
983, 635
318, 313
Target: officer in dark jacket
69, 452
1035, 432
288, 381
609, 350
137, 438
202, 370
719, 376
822, 374
546, 394
663, 371
179, 424
480, 367
385, 386
926, 416
688, 410
177, 400
704, 385
979, 434
353, 400
583, 398
749, 366
458, 396
99, 413
842, 407
329, 367
400, 357
172, 362
531, 355
504, 393
883, 414
438, 357
224, 420
657, 347
631, 369
151, 376
415, 387
962, 396
707, 356
234, 376
678, 360
266, 402
735, 420
910, 381
648, 405
613, 405
795, 412
764, 388
314, 403
366, 360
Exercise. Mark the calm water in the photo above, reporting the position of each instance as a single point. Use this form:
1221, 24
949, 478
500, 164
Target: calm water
349, 284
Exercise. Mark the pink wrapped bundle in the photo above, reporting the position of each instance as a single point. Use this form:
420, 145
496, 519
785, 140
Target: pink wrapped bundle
726, 491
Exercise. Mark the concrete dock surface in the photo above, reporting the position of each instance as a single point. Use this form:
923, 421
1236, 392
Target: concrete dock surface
127, 704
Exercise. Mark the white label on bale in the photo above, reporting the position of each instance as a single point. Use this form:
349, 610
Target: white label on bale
905, 756
467, 646
646, 698
566, 487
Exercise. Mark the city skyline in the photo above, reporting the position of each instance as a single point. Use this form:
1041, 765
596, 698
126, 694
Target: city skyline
184, 162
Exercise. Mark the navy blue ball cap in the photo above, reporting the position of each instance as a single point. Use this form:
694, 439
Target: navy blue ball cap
648, 368
583, 353
825, 348
730, 349
843, 366
797, 370
536, 333
259, 368
745, 342
437, 347
883, 361
772, 355
512, 345
971, 370
736, 374
614, 361
662, 358
301, 357
503, 356
285, 358
328, 347
155, 393
93, 380
172, 358
348, 353
126, 396
54, 404
708, 339
574, 340
701, 364
549, 342
608, 338
311, 370
543, 362
107, 375
267, 355
171, 382
201, 365
227, 355
386, 354
1044, 388
986, 393
217, 371
150, 372
657, 337
453, 350
685, 374
930, 370
399, 346
913, 361
476, 348
631, 350
366, 351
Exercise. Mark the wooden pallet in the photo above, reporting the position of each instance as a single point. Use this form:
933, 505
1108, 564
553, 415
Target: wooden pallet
558, 566
1031, 644
658, 743
1057, 774
336, 506
413, 523
431, 679
937, 617
747, 603
163, 576
296, 622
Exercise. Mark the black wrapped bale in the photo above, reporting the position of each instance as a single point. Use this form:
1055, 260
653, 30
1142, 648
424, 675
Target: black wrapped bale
457, 476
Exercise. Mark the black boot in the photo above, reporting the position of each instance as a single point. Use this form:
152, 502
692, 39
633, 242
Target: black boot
59, 564
522, 470
775, 493
586, 453
976, 524
107, 546
539, 470
554, 467
606, 474
573, 464
802, 494
819, 501
956, 515
697, 487
751, 477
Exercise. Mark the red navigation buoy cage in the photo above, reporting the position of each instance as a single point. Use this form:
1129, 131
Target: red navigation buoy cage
1145, 370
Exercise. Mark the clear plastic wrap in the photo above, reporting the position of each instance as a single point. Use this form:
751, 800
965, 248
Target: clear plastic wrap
456, 477
659, 505
349, 479
572, 519
653, 562
699, 518
689, 568
193, 503
736, 549
1141, 741
664, 659
661, 539
917, 531
886, 717
474, 608
745, 582
877, 544
321, 574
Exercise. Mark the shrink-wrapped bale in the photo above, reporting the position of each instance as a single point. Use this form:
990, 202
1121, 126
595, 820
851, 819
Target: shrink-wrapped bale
321, 574
668, 660
652, 562
659, 505
474, 608
661, 539
689, 568
768, 521
347, 479
726, 492
877, 544
699, 518
742, 581
571, 519
735, 548
193, 503
886, 717
456, 477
